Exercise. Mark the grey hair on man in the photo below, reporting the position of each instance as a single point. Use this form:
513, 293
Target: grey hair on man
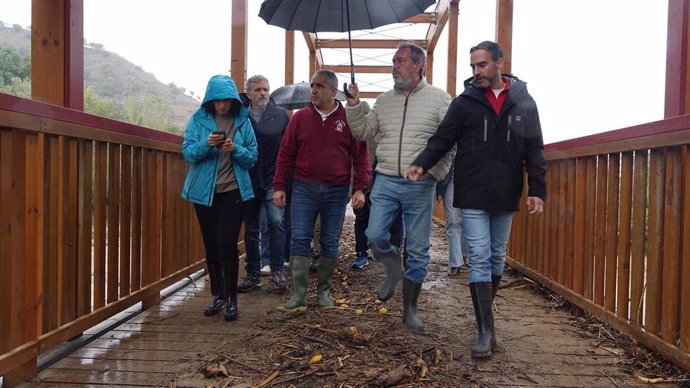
417, 54
330, 76
254, 79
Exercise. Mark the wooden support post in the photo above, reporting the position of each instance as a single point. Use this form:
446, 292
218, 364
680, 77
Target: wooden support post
238, 63
57, 52
452, 48
677, 100
504, 31
289, 57
430, 67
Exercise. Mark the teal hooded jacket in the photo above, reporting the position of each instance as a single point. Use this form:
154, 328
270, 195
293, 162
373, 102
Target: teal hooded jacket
199, 186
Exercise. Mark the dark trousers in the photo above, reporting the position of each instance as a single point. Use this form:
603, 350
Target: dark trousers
220, 227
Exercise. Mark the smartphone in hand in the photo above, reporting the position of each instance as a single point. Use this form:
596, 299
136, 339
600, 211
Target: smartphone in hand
222, 135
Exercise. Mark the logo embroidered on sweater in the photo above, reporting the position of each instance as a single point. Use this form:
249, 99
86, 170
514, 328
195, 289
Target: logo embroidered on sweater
339, 125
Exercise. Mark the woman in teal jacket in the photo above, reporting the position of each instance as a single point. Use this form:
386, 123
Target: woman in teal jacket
219, 144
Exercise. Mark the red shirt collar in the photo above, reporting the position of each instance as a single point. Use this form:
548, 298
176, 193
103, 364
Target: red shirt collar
497, 102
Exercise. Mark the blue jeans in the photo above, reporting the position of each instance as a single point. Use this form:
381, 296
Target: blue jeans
265, 238
308, 201
416, 199
263, 199
457, 245
487, 235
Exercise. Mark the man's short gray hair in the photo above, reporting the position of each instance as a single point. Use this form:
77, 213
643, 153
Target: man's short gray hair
417, 54
254, 79
330, 76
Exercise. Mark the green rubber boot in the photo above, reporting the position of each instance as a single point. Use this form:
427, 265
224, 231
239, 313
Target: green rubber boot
327, 267
394, 272
300, 278
410, 296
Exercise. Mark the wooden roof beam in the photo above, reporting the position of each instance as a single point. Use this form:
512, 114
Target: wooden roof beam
366, 43
422, 18
359, 69
315, 55
369, 94
435, 30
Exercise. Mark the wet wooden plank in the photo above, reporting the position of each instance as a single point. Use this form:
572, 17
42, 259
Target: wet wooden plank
108, 377
611, 242
671, 265
125, 219
654, 241
624, 242
113, 222
137, 184
638, 233
580, 200
99, 225
50, 264
85, 231
684, 299
558, 271
600, 230
590, 213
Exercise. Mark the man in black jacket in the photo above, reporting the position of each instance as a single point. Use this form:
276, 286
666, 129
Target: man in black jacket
269, 122
495, 124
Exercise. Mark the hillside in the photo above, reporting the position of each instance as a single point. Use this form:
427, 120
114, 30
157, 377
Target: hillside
112, 77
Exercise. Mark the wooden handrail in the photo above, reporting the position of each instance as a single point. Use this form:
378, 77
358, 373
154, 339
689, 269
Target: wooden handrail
77, 189
613, 236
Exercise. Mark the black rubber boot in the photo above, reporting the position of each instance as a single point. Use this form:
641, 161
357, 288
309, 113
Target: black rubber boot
495, 283
394, 272
323, 289
481, 299
410, 296
230, 272
300, 278
215, 277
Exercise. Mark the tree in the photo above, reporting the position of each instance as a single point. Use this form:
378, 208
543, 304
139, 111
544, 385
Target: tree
150, 111
104, 107
17, 87
13, 65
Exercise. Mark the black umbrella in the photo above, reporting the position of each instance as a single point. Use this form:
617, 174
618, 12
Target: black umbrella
339, 15
296, 96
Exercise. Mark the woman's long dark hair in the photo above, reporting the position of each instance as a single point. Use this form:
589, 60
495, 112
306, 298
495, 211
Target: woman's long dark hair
234, 107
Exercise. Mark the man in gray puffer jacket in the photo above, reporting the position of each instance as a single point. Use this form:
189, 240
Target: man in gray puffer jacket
402, 121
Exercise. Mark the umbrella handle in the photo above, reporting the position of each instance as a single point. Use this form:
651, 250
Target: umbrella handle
347, 94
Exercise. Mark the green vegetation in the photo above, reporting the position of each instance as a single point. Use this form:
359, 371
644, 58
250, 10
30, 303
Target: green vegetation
114, 87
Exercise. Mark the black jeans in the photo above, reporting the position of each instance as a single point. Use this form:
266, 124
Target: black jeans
220, 227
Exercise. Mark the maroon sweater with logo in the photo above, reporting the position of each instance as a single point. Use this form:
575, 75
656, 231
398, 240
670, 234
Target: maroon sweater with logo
323, 152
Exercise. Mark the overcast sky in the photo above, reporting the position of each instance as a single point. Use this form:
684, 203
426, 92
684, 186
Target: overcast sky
591, 65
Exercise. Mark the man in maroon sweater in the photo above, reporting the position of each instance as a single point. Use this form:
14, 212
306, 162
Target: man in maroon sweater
319, 147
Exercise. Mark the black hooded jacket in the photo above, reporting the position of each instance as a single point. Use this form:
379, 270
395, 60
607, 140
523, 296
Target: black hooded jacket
269, 133
493, 150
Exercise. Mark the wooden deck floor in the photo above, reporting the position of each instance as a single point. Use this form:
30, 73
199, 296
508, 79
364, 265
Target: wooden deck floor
160, 347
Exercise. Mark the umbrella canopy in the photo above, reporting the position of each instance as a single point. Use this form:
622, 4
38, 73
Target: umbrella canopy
332, 15
296, 96
339, 15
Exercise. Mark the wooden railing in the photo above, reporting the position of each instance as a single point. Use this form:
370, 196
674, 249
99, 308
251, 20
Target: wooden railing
91, 223
614, 238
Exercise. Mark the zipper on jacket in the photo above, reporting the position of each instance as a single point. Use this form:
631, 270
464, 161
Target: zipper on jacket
401, 136
486, 127
510, 124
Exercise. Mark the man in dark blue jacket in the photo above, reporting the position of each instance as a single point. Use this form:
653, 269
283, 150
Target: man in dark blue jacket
269, 122
495, 124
